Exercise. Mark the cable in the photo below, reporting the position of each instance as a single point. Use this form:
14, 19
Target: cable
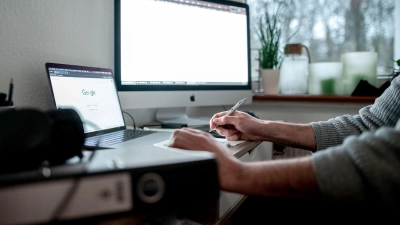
75, 183
69, 196
134, 125
65, 202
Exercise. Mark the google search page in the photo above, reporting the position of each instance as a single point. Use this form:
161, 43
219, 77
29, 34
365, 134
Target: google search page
95, 100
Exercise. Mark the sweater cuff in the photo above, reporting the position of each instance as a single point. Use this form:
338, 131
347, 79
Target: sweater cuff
326, 134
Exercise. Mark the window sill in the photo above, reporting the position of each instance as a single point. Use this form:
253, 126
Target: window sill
315, 98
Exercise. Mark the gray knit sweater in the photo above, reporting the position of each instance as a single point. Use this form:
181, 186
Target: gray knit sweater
363, 169
384, 112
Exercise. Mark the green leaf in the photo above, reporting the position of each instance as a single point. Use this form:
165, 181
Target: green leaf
269, 30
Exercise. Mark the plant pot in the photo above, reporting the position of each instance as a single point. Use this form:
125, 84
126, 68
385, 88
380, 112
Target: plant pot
270, 81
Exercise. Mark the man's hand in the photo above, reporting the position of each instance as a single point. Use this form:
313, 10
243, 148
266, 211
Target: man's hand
238, 126
190, 139
242, 126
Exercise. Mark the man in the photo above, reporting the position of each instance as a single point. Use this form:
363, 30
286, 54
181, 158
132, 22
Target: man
356, 159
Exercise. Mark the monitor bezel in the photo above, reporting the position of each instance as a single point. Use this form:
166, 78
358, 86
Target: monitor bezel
136, 87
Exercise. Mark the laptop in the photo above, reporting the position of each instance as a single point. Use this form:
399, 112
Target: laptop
92, 93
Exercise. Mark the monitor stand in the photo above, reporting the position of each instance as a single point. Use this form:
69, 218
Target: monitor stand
178, 115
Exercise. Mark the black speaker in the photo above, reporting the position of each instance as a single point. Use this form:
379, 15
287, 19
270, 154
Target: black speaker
29, 138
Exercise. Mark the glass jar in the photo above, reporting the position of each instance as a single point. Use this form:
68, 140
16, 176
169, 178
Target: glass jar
294, 70
323, 77
358, 66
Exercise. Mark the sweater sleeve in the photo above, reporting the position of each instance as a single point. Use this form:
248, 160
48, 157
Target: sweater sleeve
384, 112
363, 170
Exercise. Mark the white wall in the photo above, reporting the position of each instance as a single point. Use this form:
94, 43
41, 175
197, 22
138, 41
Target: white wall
33, 32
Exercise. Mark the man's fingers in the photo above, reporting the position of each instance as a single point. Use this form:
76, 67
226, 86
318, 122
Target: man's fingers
226, 120
182, 138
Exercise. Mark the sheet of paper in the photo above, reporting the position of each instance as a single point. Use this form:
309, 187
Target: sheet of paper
164, 144
223, 140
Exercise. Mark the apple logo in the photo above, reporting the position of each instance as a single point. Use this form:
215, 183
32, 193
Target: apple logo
192, 98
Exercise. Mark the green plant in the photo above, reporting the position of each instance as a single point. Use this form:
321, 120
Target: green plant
396, 72
269, 29
398, 62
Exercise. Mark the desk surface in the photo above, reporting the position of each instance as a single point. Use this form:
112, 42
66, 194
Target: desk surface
315, 98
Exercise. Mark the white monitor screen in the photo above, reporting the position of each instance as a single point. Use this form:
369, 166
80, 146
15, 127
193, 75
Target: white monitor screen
183, 42
181, 53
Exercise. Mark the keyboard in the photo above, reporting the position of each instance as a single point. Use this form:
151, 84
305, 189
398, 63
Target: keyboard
205, 127
106, 140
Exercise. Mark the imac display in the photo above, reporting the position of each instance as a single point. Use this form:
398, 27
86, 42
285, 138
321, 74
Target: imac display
173, 54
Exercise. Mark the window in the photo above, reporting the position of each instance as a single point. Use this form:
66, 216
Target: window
332, 27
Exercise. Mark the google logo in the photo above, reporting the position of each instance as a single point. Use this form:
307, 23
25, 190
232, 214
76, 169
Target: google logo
84, 92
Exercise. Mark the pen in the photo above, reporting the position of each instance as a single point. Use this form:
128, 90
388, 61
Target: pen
233, 109
10, 93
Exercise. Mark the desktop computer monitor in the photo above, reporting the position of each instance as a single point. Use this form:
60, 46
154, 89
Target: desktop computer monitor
173, 54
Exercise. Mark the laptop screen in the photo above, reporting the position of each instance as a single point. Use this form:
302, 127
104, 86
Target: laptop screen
91, 92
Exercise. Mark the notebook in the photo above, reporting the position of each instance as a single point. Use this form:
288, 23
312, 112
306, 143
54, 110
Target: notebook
92, 93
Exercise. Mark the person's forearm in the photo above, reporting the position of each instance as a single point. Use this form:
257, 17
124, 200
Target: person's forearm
294, 135
279, 178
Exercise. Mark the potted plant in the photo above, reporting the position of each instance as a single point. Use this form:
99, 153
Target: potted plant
396, 72
269, 29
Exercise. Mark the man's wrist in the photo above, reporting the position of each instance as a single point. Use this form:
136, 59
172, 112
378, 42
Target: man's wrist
237, 176
267, 130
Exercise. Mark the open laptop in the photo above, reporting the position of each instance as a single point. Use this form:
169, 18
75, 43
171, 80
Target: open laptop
92, 93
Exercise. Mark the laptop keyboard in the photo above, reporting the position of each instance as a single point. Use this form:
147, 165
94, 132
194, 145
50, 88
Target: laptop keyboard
106, 140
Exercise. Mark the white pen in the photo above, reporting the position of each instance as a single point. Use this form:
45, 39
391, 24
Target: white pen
233, 109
